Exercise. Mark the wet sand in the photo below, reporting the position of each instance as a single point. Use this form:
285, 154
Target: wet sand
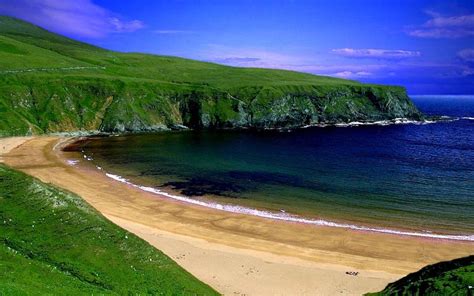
237, 253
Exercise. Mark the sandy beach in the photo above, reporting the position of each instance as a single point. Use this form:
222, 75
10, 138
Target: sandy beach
7, 144
236, 254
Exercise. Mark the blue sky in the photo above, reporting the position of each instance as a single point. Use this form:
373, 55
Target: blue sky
426, 46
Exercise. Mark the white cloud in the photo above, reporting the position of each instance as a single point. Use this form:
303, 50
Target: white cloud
445, 26
78, 18
363, 73
171, 32
442, 33
376, 53
439, 21
350, 74
236, 60
468, 72
356, 69
252, 57
343, 74
381, 70
123, 26
467, 54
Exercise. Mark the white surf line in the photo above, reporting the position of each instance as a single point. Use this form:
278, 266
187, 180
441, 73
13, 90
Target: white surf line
395, 121
288, 217
61, 142
50, 69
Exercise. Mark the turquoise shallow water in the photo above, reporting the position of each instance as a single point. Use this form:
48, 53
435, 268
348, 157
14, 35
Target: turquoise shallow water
407, 177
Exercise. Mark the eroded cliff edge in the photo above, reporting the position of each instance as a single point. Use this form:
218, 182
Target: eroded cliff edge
107, 105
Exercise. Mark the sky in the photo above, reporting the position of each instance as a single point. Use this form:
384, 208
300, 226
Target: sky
425, 46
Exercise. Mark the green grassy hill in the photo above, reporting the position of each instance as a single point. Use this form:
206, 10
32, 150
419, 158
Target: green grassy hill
53, 243
50, 83
454, 277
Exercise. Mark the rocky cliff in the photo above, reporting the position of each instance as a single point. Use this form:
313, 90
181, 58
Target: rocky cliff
77, 104
50, 83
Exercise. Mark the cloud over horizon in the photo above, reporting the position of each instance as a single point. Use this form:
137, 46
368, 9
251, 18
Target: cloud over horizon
466, 54
445, 26
350, 74
172, 32
251, 57
375, 53
79, 18
377, 69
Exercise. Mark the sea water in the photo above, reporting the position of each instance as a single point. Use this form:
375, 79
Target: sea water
406, 178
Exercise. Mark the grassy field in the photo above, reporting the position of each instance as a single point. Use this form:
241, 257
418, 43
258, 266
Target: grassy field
40, 49
26, 47
50, 83
53, 243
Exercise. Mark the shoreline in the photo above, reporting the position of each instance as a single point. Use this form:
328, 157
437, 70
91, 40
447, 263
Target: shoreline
74, 146
287, 217
329, 251
429, 119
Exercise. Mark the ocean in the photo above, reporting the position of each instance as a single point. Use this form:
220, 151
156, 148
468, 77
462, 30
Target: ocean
412, 179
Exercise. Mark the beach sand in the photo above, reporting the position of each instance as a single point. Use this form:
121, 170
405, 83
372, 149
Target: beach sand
7, 144
238, 254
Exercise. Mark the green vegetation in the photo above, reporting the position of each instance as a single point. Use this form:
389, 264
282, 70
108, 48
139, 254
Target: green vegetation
454, 277
50, 83
52, 242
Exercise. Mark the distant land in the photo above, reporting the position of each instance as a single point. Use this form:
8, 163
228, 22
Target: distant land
50, 83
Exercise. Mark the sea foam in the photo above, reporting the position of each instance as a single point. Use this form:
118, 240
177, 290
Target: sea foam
288, 217
395, 121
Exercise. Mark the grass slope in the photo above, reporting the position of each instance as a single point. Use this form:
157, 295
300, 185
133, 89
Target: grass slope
52, 242
24, 45
50, 83
175, 70
454, 277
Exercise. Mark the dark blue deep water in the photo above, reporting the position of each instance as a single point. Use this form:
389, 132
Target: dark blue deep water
407, 177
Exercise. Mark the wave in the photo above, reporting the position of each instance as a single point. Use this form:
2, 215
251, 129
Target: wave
287, 217
467, 118
394, 121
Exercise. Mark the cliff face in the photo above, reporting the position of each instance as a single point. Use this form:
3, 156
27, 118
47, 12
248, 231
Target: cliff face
77, 104
50, 83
